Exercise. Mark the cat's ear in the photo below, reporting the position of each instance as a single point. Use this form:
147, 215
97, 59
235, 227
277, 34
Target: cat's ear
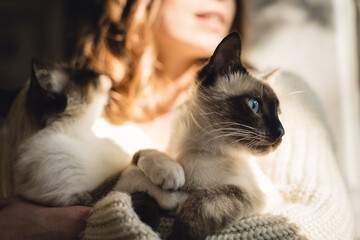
227, 54
269, 77
226, 58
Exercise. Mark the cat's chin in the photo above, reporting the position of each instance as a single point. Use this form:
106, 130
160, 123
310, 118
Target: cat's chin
265, 149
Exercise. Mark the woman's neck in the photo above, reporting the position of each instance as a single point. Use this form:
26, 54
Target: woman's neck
180, 72
175, 68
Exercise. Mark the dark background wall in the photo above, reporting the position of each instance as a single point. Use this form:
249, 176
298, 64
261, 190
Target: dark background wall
46, 29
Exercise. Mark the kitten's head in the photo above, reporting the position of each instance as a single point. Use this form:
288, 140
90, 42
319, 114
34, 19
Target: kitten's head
235, 107
57, 91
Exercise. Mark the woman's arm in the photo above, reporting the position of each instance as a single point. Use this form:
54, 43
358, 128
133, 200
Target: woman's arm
20, 219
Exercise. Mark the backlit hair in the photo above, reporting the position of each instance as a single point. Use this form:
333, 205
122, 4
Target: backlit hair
123, 47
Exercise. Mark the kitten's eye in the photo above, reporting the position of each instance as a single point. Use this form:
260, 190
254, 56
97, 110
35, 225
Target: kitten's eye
254, 104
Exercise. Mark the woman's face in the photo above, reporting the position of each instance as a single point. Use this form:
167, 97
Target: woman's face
194, 27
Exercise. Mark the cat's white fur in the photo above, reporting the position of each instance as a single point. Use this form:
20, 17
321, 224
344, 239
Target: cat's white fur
66, 158
170, 174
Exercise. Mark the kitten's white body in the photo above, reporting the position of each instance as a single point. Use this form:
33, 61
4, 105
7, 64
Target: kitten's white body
65, 159
63, 164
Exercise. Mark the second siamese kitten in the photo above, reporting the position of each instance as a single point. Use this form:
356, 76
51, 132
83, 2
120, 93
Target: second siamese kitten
229, 118
63, 161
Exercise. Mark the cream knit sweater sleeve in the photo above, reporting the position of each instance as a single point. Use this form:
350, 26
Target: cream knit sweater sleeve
305, 166
304, 169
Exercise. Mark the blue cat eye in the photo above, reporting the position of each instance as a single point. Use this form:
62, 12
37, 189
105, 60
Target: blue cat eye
254, 104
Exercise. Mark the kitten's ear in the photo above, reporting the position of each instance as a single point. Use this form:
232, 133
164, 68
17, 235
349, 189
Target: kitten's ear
227, 54
226, 58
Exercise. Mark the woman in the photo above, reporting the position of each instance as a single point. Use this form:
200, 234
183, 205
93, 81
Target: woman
150, 49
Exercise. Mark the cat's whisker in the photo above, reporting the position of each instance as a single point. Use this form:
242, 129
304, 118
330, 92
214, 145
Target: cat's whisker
222, 133
296, 92
257, 136
226, 125
229, 135
239, 136
229, 132
238, 125
205, 113
195, 121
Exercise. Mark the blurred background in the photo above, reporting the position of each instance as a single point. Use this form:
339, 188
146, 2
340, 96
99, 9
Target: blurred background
316, 39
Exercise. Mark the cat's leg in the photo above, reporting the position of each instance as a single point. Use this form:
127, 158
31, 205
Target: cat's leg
146, 208
160, 168
133, 180
211, 209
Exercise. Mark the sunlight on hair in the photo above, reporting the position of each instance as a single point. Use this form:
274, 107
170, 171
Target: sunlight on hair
115, 9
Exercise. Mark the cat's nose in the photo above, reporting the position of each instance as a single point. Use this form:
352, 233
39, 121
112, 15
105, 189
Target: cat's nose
280, 131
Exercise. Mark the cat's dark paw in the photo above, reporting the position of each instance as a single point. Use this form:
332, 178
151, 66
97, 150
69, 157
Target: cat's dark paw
181, 232
178, 236
146, 208
84, 198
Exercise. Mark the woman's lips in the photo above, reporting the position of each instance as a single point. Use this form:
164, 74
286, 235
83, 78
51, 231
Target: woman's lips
213, 20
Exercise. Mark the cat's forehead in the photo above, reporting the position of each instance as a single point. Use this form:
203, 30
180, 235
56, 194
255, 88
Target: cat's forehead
237, 83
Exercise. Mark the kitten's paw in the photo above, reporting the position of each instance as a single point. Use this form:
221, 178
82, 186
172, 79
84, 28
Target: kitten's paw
171, 200
179, 232
146, 208
160, 169
83, 198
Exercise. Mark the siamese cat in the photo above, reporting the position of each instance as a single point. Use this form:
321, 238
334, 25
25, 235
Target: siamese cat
62, 161
229, 118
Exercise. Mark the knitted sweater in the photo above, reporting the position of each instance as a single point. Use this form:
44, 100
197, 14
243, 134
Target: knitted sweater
113, 218
303, 168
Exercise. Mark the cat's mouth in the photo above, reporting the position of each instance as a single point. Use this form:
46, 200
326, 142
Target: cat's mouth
275, 144
266, 148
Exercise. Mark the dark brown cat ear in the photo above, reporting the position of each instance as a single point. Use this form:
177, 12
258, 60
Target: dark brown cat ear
227, 55
225, 59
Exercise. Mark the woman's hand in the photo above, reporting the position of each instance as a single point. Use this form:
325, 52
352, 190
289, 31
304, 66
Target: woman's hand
20, 219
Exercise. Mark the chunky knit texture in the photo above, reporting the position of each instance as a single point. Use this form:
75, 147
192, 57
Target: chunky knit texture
304, 169
114, 218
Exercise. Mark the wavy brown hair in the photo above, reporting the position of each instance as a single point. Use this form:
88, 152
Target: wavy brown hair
122, 46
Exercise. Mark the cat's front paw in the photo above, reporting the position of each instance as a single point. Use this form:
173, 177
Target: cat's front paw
160, 169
